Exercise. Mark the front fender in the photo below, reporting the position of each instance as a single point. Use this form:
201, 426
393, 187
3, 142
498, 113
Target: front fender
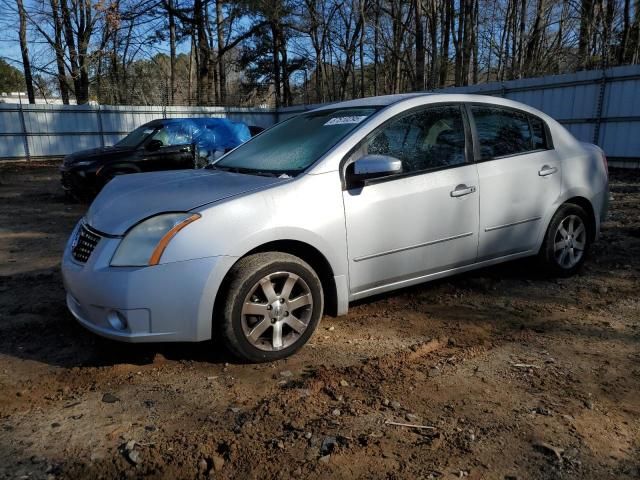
308, 210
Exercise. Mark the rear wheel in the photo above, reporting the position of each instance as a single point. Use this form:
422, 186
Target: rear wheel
273, 304
566, 241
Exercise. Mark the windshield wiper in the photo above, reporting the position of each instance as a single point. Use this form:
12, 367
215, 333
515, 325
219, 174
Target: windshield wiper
242, 170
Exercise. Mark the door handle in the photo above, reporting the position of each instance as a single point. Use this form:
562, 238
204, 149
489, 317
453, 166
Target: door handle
462, 190
547, 170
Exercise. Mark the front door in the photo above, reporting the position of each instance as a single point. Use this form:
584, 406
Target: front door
422, 221
175, 152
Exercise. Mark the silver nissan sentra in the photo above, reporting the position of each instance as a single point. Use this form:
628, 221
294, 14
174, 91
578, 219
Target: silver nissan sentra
337, 204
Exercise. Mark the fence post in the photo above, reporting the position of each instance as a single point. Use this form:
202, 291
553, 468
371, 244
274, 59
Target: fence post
101, 130
599, 106
25, 134
165, 100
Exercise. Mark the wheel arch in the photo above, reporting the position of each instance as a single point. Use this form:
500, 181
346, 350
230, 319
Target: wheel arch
122, 165
586, 205
302, 250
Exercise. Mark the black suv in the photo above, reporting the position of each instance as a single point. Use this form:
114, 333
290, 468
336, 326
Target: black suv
169, 144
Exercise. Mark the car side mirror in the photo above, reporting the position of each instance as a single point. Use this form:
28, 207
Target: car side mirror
153, 145
370, 167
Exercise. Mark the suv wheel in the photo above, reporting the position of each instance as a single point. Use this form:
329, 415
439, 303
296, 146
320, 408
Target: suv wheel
273, 304
566, 241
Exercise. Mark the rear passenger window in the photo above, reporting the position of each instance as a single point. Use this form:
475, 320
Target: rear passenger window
502, 132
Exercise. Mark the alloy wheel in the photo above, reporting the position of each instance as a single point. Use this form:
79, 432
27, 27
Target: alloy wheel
570, 241
277, 311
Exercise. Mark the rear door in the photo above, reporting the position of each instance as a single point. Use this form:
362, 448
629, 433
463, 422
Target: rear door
407, 226
520, 178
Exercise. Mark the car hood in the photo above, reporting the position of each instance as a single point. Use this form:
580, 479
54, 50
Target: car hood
128, 199
97, 153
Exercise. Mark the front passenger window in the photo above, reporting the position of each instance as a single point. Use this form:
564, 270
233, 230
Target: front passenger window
431, 138
173, 134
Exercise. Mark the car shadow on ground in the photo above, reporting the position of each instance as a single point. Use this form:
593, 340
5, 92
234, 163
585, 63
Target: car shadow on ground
38, 327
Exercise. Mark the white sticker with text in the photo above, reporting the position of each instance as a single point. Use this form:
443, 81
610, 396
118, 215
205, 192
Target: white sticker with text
346, 120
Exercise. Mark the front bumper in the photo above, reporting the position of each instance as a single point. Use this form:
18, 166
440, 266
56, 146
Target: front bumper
79, 181
164, 303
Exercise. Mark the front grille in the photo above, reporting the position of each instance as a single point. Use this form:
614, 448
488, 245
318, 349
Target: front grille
84, 244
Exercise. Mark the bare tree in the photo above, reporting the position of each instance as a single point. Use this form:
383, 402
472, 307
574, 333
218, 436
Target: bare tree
24, 50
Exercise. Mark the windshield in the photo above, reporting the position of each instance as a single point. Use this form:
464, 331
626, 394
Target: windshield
136, 137
293, 145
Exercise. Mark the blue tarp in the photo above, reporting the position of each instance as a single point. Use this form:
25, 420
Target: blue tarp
220, 133
215, 136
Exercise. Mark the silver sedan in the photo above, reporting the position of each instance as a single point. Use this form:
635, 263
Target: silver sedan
337, 204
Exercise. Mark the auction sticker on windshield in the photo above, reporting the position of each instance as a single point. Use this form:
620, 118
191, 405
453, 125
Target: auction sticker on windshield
346, 120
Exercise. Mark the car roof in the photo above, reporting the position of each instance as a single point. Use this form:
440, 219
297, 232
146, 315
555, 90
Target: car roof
388, 100
379, 101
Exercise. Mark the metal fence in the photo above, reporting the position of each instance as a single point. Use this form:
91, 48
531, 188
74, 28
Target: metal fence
49, 131
598, 106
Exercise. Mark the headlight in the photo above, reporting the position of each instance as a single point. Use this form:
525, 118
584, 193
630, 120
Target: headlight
145, 243
83, 163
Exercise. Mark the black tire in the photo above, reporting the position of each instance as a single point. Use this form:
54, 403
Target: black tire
244, 276
548, 253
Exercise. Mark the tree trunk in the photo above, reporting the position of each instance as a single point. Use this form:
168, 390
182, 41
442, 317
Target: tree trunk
432, 21
446, 24
286, 89
172, 54
459, 39
467, 40
420, 53
523, 18
607, 31
474, 42
586, 23
24, 49
626, 21
84, 30
192, 54
71, 45
275, 38
535, 37
361, 48
375, 48
203, 53
59, 52
396, 13
222, 74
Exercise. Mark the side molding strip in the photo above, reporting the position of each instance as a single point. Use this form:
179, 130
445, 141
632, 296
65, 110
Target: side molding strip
498, 227
411, 247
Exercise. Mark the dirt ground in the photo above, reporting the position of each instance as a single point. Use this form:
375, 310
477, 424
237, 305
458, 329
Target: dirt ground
516, 375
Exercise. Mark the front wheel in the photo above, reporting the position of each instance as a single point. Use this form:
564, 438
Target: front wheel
273, 304
566, 241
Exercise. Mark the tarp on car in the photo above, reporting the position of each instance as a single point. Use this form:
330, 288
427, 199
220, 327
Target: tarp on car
215, 136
